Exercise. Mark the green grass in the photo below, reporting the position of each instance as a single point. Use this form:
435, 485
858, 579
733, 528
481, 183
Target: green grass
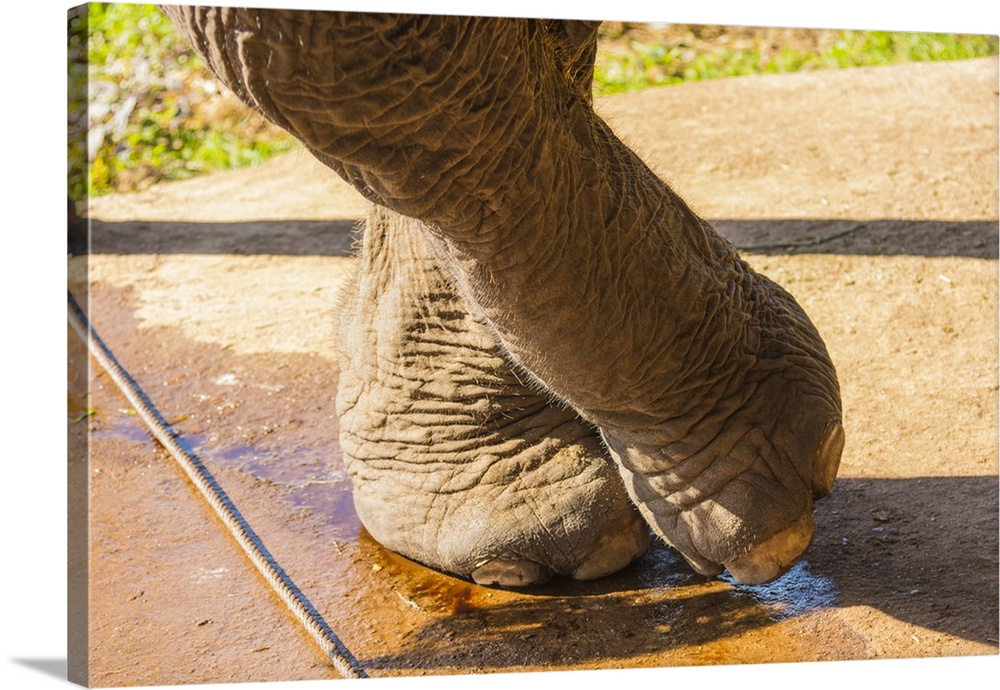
641, 66
151, 112
143, 108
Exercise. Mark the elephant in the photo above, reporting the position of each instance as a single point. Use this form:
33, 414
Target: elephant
545, 353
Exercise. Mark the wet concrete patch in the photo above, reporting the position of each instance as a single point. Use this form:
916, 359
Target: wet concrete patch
797, 593
265, 425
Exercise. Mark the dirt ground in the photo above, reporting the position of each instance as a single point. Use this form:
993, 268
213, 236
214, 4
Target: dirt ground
871, 194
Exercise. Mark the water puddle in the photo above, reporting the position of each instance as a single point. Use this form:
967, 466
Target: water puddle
130, 429
315, 479
663, 568
796, 593
427, 590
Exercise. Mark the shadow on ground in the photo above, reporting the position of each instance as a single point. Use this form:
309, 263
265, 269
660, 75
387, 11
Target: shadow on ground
277, 237
976, 239
923, 550
972, 239
50, 667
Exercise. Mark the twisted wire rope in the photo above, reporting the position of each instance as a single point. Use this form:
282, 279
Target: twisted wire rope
340, 657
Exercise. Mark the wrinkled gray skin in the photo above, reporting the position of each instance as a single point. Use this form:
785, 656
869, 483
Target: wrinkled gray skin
525, 279
455, 461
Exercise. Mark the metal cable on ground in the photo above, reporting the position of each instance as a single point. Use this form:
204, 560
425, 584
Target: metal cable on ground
339, 655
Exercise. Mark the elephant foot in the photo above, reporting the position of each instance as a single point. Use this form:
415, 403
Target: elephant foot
772, 558
456, 462
736, 491
616, 546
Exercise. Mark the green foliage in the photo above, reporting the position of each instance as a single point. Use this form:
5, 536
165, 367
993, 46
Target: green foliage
143, 108
152, 110
886, 48
76, 109
638, 66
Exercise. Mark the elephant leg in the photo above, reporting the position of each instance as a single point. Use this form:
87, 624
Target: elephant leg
714, 391
456, 461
